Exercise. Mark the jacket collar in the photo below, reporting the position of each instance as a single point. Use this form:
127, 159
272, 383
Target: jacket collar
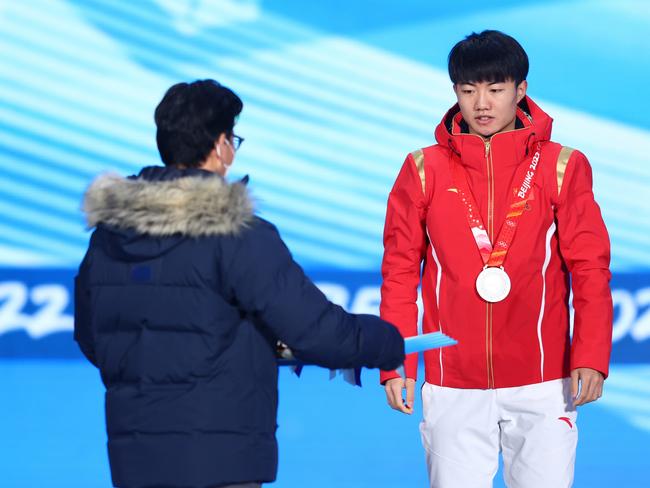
167, 201
508, 148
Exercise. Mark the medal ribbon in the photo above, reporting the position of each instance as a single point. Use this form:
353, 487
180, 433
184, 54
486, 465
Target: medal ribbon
496, 255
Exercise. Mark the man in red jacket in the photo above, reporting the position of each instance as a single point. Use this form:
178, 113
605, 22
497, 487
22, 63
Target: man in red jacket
497, 223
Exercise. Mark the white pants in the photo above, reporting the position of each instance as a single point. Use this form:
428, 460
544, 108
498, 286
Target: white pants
534, 426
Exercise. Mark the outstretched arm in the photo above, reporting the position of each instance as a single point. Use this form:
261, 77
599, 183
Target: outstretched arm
266, 281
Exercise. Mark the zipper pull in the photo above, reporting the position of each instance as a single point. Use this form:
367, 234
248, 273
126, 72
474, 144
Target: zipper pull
487, 148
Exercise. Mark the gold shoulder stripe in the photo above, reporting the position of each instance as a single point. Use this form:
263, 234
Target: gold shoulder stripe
562, 161
418, 157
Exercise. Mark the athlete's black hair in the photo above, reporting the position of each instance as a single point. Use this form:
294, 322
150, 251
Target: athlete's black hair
490, 56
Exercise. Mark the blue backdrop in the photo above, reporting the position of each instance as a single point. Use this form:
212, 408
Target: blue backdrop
336, 94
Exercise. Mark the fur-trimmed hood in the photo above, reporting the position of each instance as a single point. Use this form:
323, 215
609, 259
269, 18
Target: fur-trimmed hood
162, 202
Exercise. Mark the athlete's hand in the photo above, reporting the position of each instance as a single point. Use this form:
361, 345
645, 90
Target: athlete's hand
590, 384
395, 396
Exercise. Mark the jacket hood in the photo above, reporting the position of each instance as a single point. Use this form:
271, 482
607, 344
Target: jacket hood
532, 125
154, 211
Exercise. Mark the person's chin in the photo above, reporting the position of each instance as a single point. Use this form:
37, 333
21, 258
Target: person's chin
486, 130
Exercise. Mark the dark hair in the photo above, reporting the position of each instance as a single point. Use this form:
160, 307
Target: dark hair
190, 117
490, 56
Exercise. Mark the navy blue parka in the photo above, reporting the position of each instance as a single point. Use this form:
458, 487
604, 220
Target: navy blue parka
179, 302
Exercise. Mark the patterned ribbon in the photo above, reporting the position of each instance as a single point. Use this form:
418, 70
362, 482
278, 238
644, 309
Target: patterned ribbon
496, 255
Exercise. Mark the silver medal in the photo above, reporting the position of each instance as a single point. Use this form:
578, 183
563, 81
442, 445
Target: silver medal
493, 284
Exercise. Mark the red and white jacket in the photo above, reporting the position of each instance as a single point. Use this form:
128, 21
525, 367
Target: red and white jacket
561, 242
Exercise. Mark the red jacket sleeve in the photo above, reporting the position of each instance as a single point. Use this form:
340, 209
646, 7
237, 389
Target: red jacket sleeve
404, 248
584, 244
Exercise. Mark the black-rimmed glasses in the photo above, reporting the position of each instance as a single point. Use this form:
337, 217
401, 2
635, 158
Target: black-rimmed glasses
236, 141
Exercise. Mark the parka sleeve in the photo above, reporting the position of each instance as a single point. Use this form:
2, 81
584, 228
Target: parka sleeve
584, 244
266, 281
404, 248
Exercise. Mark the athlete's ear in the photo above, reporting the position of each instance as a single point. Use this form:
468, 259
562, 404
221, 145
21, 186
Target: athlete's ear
521, 90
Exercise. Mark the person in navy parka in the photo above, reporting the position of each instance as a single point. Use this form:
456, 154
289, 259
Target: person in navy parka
181, 299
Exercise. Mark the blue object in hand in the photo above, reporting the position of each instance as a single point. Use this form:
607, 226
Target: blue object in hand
424, 342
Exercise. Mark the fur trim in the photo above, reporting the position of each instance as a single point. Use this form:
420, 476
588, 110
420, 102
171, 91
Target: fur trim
191, 206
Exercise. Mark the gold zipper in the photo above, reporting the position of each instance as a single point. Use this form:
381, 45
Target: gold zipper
490, 229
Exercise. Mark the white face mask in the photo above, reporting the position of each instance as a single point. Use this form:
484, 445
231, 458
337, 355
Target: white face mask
226, 165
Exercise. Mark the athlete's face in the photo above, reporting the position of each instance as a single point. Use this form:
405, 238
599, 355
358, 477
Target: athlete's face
489, 108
